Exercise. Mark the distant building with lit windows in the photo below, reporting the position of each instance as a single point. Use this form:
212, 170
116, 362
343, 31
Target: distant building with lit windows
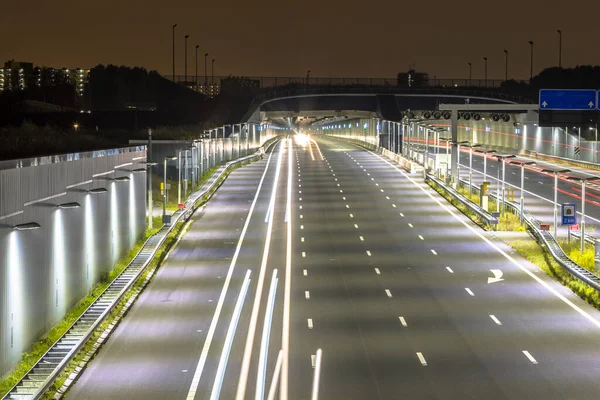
17, 75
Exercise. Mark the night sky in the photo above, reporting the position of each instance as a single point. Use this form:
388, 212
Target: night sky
355, 38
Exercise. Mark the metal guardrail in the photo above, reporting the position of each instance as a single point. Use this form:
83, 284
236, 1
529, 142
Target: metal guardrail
551, 244
39, 378
480, 211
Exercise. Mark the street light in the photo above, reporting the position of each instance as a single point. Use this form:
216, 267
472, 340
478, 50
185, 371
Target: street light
522, 200
26, 226
559, 48
65, 206
174, 26
149, 165
185, 38
196, 79
583, 182
485, 59
471, 147
97, 191
205, 79
506, 65
556, 173
448, 141
164, 216
485, 153
501, 159
458, 159
470, 72
531, 73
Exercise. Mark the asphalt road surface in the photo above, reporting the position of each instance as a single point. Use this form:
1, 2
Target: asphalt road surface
404, 296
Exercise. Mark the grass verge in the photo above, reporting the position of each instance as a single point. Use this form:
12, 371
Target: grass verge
40, 347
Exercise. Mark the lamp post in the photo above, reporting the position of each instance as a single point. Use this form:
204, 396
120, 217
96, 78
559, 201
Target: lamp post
531, 72
583, 182
205, 72
196, 78
185, 38
556, 173
169, 158
174, 26
447, 140
559, 48
501, 159
458, 160
470, 72
179, 176
212, 79
506, 65
522, 199
471, 147
485, 59
150, 204
485, 153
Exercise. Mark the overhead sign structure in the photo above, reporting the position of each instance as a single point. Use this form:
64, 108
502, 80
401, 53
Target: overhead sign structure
569, 214
569, 99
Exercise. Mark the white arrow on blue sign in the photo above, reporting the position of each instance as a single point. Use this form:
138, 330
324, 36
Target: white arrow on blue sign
569, 99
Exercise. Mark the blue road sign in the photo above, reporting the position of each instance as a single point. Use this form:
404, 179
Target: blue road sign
569, 214
571, 99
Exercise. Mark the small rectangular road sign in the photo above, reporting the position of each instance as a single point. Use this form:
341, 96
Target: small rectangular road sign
569, 214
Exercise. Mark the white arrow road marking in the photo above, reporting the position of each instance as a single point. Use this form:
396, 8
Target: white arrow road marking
497, 276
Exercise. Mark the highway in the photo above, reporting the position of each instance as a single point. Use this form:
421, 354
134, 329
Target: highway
405, 297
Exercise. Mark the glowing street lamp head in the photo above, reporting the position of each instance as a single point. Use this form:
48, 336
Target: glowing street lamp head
73, 204
121, 179
97, 191
27, 226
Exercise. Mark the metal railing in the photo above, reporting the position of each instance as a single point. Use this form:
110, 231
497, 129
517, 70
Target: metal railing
41, 376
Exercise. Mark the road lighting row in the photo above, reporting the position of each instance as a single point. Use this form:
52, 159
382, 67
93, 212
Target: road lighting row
531, 43
186, 63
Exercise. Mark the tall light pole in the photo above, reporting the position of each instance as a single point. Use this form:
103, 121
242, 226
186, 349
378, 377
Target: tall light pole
485, 153
531, 71
522, 199
470, 72
185, 58
205, 73
212, 79
485, 59
506, 65
556, 172
501, 159
174, 26
583, 182
169, 158
559, 48
196, 79
471, 147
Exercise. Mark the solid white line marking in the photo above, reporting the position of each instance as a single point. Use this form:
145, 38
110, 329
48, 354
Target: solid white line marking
310, 323
496, 320
317, 376
368, 253
470, 292
377, 271
264, 343
421, 359
421, 237
434, 252
276, 375
403, 322
307, 294
218, 383
387, 291
450, 270
213, 324
305, 272
530, 357
362, 239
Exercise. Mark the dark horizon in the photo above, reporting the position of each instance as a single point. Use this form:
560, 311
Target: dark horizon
294, 37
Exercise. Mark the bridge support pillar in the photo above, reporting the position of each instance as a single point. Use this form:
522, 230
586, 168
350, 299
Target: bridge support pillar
454, 156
